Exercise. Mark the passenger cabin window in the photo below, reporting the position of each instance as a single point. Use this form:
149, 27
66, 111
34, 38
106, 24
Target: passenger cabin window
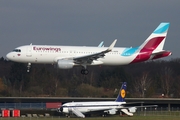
17, 50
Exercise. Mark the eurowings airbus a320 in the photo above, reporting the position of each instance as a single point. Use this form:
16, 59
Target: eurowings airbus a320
67, 57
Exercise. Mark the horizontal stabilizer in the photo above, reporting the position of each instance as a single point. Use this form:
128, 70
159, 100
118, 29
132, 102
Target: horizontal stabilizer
160, 54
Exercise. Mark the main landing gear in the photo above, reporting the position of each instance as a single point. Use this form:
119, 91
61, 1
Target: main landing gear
28, 67
84, 71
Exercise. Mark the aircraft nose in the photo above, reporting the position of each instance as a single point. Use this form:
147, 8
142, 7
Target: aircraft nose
60, 109
9, 56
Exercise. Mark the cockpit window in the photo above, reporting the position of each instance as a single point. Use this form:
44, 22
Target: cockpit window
17, 50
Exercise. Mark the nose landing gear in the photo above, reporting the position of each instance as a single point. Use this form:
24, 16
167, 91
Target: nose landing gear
28, 67
84, 71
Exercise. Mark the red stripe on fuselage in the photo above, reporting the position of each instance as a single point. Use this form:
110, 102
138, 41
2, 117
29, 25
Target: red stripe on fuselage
147, 50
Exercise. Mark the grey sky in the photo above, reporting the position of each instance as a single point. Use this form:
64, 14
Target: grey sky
86, 22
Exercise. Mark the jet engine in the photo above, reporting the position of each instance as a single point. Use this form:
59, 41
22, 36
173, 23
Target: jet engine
132, 109
65, 64
111, 112
60, 109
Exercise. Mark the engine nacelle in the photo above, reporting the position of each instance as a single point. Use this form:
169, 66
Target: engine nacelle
58, 110
132, 109
65, 64
112, 111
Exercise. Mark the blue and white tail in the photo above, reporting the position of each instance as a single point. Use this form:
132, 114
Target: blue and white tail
152, 47
157, 39
122, 93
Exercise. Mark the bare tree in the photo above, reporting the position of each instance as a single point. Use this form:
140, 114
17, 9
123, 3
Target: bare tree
166, 77
55, 85
142, 84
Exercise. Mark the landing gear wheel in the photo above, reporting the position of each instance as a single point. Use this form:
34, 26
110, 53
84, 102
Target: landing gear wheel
28, 67
84, 71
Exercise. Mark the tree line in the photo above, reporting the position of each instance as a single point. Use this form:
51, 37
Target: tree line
158, 78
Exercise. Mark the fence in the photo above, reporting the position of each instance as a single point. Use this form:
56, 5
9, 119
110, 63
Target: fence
159, 111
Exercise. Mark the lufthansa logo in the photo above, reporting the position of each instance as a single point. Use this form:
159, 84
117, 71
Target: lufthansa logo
123, 93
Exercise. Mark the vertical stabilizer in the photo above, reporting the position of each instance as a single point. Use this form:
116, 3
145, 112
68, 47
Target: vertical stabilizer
152, 48
157, 39
122, 93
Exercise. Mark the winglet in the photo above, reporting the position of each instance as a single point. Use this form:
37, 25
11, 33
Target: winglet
101, 44
112, 45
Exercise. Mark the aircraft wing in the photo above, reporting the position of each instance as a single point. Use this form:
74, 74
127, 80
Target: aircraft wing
77, 113
129, 110
135, 104
138, 106
87, 59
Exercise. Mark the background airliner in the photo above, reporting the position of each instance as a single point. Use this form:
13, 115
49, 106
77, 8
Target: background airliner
68, 56
80, 109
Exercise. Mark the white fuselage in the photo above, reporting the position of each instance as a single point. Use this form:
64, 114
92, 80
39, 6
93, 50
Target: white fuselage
51, 54
85, 107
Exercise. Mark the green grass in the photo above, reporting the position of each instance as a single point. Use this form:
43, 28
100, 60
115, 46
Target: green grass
139, 115
102, 118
